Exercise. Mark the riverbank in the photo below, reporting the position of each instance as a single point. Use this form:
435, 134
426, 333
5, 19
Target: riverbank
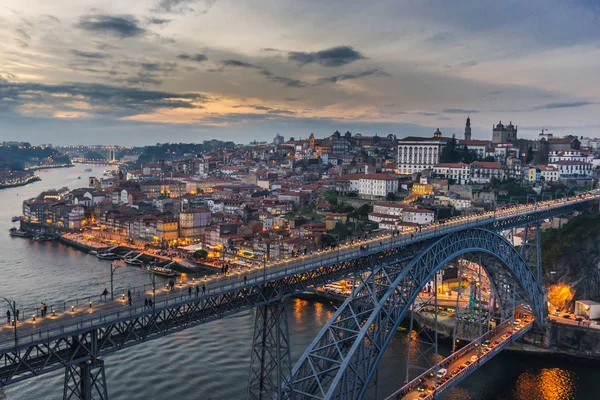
53, 166
27, 181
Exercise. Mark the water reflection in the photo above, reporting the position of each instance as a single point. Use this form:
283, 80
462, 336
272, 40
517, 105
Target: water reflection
547, 384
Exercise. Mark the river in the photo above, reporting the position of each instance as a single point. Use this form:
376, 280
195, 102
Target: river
211, 361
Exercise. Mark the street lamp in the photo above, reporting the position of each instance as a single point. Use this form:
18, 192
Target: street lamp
112, 272
13, 307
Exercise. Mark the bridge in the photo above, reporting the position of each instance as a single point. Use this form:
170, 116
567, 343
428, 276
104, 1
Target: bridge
390, 272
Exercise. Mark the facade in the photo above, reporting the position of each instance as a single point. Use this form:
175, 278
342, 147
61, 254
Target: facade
418, 153
167, 229
418, 216
192, 221
392, 209
459, 172
485, 171
377, 185
549, 173
568, 169
504, 134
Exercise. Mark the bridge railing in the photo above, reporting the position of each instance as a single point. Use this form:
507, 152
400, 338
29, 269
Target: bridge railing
270, 272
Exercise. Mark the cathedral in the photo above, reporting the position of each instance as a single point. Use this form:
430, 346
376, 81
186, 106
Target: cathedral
504, 134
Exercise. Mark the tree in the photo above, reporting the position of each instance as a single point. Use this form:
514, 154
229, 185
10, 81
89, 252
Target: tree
529, 155
391, 196
560, 296
363, 210
200, 254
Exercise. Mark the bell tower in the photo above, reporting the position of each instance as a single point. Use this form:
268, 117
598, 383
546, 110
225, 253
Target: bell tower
468, 129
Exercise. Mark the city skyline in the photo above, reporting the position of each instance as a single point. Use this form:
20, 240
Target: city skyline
192, 70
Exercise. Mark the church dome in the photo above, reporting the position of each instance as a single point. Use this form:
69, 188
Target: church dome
500, 126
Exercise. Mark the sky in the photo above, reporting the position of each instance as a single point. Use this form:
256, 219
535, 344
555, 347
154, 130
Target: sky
140, 72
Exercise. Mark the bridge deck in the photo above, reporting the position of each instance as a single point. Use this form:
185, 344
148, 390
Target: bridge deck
73, 318
459, 364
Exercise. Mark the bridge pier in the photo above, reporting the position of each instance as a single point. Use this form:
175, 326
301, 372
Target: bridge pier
270, 361
85, 381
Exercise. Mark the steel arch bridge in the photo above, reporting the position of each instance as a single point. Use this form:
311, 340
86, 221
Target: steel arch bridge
343, 358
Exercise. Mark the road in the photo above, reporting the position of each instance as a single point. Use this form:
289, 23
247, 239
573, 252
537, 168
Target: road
460, 366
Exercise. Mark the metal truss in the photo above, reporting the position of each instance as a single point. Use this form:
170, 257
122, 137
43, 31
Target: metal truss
59, 348
531, 248
270, 362
67, 349
85, 381
342, 359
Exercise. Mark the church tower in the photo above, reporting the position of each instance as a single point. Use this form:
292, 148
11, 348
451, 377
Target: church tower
468, 129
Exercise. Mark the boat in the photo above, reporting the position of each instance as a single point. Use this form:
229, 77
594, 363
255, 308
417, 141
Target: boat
42, 238
15, 219
18, 233
88, 170
401, 329
78, 177
108, 256
134, 261
93, 252
168, 272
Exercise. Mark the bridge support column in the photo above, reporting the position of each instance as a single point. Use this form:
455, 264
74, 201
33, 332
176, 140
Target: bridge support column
85, 381
270, 361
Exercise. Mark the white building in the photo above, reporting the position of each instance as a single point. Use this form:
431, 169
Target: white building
418, 216
572, 168
388, 209
549, 173
460, 172
377, 185
485, 171
418, 153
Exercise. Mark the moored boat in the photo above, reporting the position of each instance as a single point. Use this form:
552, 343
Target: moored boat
108, 256
18, 233
88, 170
134, 261
168, 272
15, 219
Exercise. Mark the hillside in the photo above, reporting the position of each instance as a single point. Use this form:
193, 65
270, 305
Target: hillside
573, 252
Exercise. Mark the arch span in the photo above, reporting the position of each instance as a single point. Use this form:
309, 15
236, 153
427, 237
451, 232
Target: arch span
342, 359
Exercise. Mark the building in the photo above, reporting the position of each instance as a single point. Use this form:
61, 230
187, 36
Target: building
587, 309
418, 216
376, 185
392, 209
459, 172
192, 221
568, 169
549, 173
485, 171
468, 129
167, 229
418, 153
504, 134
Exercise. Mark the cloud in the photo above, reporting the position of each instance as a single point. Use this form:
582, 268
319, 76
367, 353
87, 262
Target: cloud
88, 54
158, 21
352, 75
459, 111
468, 64
333, 57
552, 106
289, 82
98, 99
238, 63
158, 67
23, 34
183, 6
122, 26
193, 57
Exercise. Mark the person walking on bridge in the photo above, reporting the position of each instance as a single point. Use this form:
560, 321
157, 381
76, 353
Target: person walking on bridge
8, 316
245, 279
17, 315
203, 288
197, 290
190, 291
105, 293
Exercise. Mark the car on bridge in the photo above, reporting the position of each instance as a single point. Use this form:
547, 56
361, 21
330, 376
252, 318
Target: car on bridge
442, 372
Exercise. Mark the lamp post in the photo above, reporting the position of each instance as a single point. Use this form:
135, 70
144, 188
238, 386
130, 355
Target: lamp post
112, 272
13, 307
